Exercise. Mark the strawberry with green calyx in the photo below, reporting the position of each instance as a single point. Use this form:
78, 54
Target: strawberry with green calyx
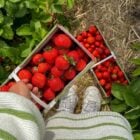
81, 65
56, 84
62, 41
70, 74
37, 58
43, 67
25, 74
48, 94
50, 55
56, 72
62, 62
39, 80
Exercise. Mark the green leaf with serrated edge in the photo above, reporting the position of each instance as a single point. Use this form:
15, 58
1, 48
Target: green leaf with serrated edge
136, 61
70, 3
24, 30
14, 1
136, 136
2, 3
136, 72
1, 32
1, 17
7, 32
56, 8
133, 113
118, 91
118, 106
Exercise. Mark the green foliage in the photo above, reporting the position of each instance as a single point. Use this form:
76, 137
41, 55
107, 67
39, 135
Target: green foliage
24, 23
126, 101
136, 61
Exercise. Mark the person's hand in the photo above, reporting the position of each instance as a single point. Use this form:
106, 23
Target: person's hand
23, 88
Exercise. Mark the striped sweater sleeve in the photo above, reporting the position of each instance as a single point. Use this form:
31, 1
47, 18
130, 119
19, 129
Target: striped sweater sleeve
19, 118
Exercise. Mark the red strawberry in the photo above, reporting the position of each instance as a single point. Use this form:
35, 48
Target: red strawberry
81, 65
43, 67
80, 52
92, 29
84, 34
56, 84
99, 75
107, 51
50, 55
4, 88
79, 38
114, 77
63, 51
48, 95
120, 74
98, 38
37, 58
62, 41
102, 82
108, 86
97, 43
39, 80
56, 72
69, 74
95, 53
90, 40
24, 74
106, 75
62, 63
74, 55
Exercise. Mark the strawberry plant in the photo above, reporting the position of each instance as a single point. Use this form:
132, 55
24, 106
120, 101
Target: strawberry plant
127, 102
136, 61
24, 23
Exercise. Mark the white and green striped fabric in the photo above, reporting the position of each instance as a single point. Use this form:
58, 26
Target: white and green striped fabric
21, 120
94, 126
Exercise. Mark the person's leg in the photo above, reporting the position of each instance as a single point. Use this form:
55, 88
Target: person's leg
68, 102
92, 100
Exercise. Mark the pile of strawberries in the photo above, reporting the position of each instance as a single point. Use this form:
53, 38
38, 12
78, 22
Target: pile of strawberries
109, 72
93, 41
54, 66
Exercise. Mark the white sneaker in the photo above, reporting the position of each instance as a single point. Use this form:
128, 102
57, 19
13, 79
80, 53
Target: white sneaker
68, 102
92, 100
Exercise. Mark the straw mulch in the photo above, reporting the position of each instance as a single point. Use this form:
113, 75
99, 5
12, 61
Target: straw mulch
119, 21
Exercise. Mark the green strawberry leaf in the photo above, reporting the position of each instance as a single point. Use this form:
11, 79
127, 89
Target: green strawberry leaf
24, 30
56, 8
136, 72
70, 3
133, 113
118, 106
7, 32
2, 3
118, 90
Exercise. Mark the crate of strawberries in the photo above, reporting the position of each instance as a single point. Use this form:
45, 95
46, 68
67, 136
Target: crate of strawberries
52, 66
107, 72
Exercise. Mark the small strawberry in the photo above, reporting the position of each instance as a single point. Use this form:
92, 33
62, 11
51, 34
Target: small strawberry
62, 63
92, 29
34, 69
79, 38
107, 51
80, 52
99, 75
106, 75
81, 65
114, 77
102, 82
56, 84
48, 95
97, 43
69, 74
62, 41
108, 86
25, 74
95, 53
39, 80
37, 58
90, 40
63, 51
10, 84
43, 67
74, 56
98, 38
4, 88
56, 72
50, 55
120, 74
84, 34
